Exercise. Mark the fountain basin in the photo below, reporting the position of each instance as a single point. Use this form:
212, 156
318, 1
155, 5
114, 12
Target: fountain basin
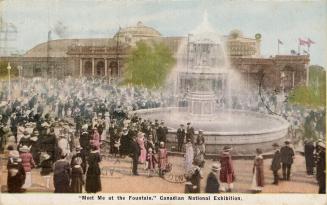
243, 130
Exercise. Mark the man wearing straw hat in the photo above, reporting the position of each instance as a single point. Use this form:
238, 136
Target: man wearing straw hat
212, 180
135, 153
287, 157
275, 163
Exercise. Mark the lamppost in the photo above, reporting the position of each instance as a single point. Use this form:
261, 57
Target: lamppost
20, 69
9, 85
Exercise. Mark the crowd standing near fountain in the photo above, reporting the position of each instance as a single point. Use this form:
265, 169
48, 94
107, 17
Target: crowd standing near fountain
64, 128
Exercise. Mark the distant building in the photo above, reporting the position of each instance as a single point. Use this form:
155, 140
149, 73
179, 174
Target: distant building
105, 57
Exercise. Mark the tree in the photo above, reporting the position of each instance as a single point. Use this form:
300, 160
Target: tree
313, 95
148, 65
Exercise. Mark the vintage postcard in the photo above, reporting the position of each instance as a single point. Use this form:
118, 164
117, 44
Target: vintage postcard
163, 102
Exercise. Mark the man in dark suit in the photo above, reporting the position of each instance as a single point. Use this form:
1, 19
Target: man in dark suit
161, 133
275, 163
321, 167
190, 133
135, 153
287, 156
180, 137
309, 156
212, 180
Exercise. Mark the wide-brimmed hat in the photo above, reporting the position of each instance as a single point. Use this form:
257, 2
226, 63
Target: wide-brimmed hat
227, 148
45, 156
287, 141
35, 133
321, 144
85, 126
78, 148
275, 145
45, 124
140, 134
34, 139
13, 154
24, 149
215, 167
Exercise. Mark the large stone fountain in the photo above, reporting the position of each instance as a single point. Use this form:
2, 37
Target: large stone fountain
203, 75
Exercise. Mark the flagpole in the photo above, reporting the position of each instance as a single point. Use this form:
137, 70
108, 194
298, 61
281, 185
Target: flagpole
278, 47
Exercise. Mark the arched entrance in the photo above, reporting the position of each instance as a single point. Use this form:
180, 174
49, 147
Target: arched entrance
114, 69
88, 68
100, 68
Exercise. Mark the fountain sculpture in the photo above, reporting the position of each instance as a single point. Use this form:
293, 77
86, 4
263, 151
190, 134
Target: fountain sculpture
203, 75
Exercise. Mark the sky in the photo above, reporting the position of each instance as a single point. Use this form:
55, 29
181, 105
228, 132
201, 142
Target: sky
284, 20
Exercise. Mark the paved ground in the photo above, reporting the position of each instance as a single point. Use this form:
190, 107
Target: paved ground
117, 178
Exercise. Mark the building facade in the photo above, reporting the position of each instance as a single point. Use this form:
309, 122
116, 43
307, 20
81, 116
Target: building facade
105, 57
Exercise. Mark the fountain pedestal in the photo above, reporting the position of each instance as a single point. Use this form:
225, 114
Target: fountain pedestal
201, 105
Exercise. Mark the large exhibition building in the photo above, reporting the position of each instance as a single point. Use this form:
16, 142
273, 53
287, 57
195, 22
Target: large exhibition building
105, 57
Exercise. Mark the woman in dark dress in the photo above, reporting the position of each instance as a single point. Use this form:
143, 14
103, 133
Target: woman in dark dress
61, 175
46, 168
16, 173
93, 181
77, 176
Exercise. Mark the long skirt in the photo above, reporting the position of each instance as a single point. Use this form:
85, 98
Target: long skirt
254, 185
142, 157
28, 180
93, 183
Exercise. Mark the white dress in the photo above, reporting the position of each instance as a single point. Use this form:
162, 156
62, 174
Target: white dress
189, 156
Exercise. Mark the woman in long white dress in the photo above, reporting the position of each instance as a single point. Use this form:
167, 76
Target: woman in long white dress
189, 156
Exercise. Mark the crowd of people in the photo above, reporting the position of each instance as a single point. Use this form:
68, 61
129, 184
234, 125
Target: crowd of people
63, 127
222, 175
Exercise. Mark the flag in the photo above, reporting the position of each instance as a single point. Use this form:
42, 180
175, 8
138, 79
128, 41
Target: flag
311, 41
303, 42
293, 52
280, 42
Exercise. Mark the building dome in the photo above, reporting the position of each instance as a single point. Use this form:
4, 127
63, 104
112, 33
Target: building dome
138, 31
235, 34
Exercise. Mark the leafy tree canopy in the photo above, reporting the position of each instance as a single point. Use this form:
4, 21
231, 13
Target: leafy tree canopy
313, 95
148, 65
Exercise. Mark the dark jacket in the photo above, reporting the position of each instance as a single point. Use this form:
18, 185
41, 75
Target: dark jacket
308, 153
15, 181
61, 176
321, 165
275, 163
46, 167
135, 149
212, 183
181, 135
161, 134
287, 155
